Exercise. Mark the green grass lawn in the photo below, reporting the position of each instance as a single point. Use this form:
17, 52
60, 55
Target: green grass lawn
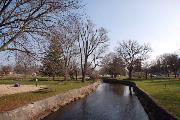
165, 92
29, 77
10, 102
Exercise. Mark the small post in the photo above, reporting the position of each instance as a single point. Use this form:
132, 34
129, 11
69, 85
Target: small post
36, 82
130, 90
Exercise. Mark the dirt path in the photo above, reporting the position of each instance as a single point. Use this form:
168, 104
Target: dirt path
9, 89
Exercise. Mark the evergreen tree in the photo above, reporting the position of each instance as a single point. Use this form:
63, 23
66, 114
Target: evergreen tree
52, 61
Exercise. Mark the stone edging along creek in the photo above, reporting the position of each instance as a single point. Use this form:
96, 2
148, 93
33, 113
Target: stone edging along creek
152, 108
42, 108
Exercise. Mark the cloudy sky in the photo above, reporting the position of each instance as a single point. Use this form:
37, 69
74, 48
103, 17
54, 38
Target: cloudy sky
155, 22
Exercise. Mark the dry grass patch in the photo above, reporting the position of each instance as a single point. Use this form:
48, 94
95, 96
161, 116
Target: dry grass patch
10, 89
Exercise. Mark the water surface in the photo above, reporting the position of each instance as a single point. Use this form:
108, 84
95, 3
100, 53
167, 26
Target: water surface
109, 102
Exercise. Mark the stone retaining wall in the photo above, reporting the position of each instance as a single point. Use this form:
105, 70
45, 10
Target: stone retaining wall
152, 108
40, 109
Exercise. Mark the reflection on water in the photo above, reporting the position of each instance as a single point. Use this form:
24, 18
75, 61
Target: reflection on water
109, 102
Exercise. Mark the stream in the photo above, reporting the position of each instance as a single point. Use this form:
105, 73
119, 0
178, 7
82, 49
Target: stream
108, 102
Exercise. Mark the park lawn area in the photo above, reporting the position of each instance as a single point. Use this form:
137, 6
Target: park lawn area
166, 92
9, 102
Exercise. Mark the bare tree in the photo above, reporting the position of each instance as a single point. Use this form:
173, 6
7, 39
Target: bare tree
174, 64
112, 65
131, 51
67, 44
169, 64
26, 18
74, 69
92, 43
68, 47
6, 69
146, 68
25, 63
155, 67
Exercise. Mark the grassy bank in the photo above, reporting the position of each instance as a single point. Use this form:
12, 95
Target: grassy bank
10, 102
166, 92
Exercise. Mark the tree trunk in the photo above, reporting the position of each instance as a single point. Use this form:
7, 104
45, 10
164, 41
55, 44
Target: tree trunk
175, 75
66, 74
151, 75
83, 76
84, 73
84, 70
76, 74
130, 74
115, 76
146, 74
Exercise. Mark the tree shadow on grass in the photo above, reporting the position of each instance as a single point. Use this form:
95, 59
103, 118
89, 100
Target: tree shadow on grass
44, 90
162, 81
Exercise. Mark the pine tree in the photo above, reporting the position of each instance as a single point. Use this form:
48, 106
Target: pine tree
52, 61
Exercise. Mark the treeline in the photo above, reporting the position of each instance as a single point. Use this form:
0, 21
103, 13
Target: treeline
25, 64
52, 34
166, 64
130, 59
51, 38
71, 51
127, 59
74, 49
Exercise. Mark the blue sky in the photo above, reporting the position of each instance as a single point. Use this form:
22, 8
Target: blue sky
155, 22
